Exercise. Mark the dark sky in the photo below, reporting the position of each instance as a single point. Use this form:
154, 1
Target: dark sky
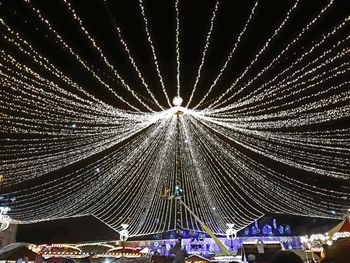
194, 17
73, 230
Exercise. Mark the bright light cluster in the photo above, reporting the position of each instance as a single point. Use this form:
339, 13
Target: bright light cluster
262, 145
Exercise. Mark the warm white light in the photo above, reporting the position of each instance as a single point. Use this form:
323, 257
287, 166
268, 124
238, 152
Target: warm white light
4, 210
145, 250
124, 226
177, 101
135, 148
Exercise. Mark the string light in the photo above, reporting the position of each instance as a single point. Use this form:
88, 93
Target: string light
177, 48
256, 148
305, 29
229, 57
119, 33
205, 50
150, 42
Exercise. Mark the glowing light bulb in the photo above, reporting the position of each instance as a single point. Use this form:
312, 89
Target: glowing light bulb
124, 226
177, 101
230, 225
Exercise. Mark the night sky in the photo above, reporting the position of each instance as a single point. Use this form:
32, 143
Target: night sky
194, 26
73, 230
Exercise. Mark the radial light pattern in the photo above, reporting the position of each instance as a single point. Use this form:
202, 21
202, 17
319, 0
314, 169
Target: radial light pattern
266, 135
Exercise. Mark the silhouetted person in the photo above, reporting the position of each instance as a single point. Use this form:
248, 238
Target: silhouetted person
286, 257
85, 260
180, 255
251, 258
329, 260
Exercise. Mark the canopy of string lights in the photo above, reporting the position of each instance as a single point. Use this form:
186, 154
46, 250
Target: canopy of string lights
107, 104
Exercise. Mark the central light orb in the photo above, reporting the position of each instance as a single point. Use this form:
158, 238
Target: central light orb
177, 101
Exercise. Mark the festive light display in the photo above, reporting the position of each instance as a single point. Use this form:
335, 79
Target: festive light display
273, 139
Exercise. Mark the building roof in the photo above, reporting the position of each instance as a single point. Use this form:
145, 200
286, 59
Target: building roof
196, 258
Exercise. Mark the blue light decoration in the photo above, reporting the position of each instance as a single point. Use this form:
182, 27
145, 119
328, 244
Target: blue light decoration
201, 235
288, 230
272, 229
72, 125
211, 249
157, 236
258, 231
274, 223
253, 231
178, 192
207, 246
281, 230
267, 230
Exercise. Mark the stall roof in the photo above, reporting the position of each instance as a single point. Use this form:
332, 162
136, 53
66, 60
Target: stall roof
343, 226
19, 252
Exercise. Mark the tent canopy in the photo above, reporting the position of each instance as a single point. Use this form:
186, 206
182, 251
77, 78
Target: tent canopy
343, 226
196, 258
18, 252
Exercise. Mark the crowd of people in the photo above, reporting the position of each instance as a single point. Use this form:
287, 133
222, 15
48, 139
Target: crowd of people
286, 256
283, 256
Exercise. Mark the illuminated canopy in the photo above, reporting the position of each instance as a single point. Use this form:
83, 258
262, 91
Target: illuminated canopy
270, 139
